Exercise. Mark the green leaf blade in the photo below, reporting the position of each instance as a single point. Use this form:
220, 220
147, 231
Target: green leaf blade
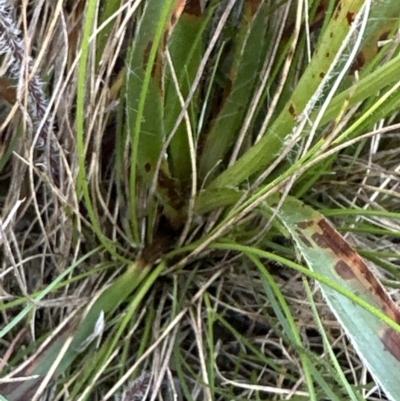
327, 253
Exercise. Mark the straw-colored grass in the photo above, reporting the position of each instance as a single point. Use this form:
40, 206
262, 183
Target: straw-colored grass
141, 148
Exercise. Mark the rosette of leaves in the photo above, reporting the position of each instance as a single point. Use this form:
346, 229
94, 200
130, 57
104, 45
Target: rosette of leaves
197, 127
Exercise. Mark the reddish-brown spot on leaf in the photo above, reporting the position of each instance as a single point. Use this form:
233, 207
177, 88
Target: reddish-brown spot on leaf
304, 239
171, 188
358, 63
305, 224
344, 270
193, 7
329, 238
322, 7
158, 62
350, 17
338, 10
322, 75
384, 35
146, 54
180, 5
387, 309
254, 5
292, 111
391, 342
367, 274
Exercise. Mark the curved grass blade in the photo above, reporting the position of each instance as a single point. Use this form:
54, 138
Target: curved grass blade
326, 252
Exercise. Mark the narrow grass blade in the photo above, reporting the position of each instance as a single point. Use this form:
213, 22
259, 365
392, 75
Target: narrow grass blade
78, 331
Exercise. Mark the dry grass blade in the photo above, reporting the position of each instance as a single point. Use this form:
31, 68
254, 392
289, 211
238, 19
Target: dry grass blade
30, 86
142, 143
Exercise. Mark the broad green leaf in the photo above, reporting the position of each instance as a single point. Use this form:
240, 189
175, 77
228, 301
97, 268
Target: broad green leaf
145, 106
209, 200
266, 150
185, 48
382, 22
382, 77
144, 91
163, 63
242, 80
326, 252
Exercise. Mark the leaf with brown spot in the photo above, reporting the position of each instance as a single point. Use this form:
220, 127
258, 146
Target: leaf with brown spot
383, 23
185, 47
329, 254
260, 156
146, 101
239, 88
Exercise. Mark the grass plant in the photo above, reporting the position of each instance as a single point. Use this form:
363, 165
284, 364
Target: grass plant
155, 157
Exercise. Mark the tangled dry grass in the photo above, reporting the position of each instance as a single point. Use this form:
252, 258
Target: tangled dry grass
204, 330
